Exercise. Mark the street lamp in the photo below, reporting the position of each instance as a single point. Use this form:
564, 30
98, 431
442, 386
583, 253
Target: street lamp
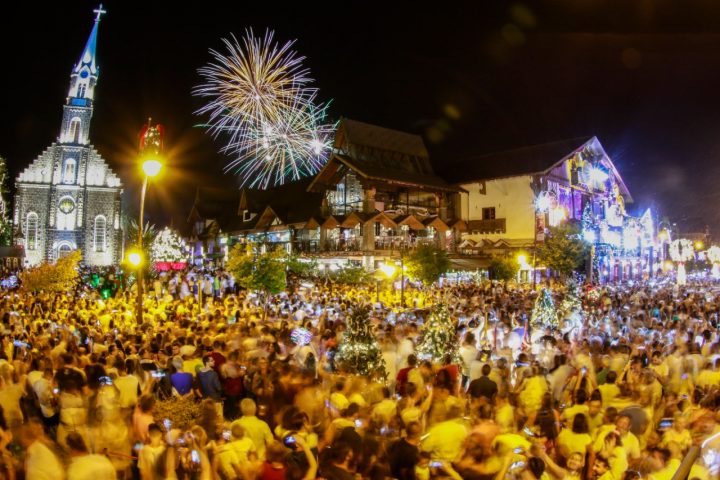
150, 167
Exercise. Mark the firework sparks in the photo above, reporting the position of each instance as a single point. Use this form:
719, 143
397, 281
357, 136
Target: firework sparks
260, 99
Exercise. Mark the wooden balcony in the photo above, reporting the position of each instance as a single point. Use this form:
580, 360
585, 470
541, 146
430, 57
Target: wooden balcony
496, 225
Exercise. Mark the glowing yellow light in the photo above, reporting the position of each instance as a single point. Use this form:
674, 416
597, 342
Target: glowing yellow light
135, 258
699, 245
151, 167
522, 259
388, 269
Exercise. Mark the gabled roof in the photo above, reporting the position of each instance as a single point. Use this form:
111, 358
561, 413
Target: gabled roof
532, 160
357, 133
379, 154
509, 163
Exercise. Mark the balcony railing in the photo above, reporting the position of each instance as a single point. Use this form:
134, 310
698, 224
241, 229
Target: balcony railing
496, 225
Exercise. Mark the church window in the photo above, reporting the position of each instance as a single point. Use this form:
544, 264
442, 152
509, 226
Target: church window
65, 216
32, 231
66, 205
100, 230
81, 90
69, 171
75, 130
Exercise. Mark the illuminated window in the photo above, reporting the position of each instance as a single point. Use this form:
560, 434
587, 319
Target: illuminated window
64, 250
66, 205
99, 236
69, 171
75, 130
32, 231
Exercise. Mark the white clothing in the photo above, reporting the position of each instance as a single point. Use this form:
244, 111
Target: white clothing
42, 464
91, 467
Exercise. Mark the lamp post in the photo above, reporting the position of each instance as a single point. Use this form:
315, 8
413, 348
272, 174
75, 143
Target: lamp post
151, 168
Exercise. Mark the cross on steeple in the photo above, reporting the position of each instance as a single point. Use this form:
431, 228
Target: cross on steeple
99, 11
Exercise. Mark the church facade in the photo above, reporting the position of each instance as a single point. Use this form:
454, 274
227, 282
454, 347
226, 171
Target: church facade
68, 198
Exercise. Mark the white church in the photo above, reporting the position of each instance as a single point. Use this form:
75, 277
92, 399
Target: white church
68, 198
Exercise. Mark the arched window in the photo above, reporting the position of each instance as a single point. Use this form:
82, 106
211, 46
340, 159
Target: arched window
100, 230
32, 231
69, 171
64, 250
75, 129
81, 90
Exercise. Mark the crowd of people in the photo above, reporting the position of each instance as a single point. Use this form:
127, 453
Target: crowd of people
216, 383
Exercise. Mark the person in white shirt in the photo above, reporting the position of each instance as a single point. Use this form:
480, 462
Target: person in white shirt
84, 465
44, 388
129, 387
40, 462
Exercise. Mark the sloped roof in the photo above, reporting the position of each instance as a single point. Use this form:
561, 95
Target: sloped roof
401, 177
519, 161
373, 136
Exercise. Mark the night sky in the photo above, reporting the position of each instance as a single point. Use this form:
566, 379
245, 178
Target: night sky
642, 75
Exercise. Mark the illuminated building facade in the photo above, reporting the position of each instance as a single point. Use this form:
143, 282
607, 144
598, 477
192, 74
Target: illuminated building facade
68, 198
514, 196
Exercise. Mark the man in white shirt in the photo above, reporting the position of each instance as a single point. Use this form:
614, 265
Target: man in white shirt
40, 462
84, 465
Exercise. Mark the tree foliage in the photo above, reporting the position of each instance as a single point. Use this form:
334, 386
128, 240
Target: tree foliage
301, 267
426, 264
563, 250
359, 352
58, 277
132, 229
504, 268
351, 275
264, 272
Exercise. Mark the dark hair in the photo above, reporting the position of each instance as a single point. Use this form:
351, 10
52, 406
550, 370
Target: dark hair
536, 465
75, 442
486, 369
339, 452
580, 424
611, 377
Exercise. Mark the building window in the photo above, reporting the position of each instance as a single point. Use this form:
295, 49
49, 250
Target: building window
81, 90
100, 230
32, 231
64, 250
488, 213
65, 215
69, 171
74, 130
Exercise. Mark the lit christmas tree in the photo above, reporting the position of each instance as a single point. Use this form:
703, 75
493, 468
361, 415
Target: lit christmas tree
544, 313
571, 305
439, 337
359, 352
167, 247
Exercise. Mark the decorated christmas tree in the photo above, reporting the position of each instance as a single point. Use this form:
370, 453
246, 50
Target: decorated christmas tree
544, 312
439, 337
167, 247
359, 352
571, 305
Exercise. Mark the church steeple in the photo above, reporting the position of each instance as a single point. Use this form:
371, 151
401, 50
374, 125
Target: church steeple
77, 111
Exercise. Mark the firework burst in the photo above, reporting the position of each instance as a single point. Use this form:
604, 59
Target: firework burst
260, 101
